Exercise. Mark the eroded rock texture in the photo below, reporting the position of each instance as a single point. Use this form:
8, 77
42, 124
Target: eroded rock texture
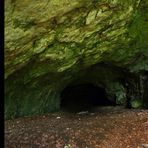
50, 44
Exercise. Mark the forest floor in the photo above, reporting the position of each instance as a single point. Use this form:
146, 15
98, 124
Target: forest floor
106, 127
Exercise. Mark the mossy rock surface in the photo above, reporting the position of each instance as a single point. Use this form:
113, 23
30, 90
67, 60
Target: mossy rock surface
50, 44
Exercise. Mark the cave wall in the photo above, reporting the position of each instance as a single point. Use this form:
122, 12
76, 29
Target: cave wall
50, 44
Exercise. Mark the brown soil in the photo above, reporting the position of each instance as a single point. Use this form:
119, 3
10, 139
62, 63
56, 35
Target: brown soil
107, 127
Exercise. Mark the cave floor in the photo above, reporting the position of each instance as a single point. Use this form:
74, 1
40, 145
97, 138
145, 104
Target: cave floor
105, 127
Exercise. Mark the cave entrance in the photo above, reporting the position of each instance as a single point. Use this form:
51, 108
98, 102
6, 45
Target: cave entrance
83, 97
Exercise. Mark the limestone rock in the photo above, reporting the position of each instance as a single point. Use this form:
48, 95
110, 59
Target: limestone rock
50, 44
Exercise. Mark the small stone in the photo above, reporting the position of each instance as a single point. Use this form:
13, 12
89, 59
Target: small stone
83, 112
144, 145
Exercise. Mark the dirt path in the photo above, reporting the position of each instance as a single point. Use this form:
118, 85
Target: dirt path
108, 127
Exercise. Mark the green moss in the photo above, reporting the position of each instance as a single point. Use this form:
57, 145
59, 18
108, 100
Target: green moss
139, 30
136, 103
81, 22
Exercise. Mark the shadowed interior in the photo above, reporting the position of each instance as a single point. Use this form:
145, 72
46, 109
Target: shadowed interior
83, 97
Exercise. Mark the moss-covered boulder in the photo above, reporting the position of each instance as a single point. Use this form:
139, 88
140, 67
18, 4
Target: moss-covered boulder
51, 44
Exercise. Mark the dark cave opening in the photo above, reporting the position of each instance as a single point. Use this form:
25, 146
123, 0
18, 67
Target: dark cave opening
83, 97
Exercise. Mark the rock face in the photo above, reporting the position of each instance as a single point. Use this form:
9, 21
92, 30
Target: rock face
52, 44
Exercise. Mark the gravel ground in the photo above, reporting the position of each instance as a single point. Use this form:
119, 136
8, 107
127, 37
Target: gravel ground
105, 127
